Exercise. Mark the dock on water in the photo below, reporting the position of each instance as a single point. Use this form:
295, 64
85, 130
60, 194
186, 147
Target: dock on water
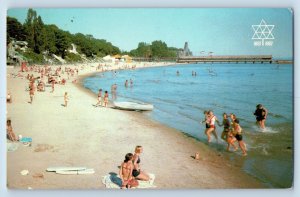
254, 59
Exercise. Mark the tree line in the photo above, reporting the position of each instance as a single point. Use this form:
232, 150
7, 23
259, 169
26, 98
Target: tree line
44, 40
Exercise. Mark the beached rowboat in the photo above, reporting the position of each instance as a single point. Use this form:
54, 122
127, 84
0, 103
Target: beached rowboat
133, 106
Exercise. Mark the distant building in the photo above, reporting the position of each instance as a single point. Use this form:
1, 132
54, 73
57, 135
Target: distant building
185, 51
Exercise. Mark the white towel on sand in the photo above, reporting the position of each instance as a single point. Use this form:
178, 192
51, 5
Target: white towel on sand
12, 146
113, 181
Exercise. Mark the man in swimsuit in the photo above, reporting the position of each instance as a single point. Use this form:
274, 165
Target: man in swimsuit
261, 116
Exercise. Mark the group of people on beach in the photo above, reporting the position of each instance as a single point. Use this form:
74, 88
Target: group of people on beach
232, 131
130, 169
46, 75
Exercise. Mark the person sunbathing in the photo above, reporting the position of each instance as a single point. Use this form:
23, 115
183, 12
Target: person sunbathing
126, 172
9, 132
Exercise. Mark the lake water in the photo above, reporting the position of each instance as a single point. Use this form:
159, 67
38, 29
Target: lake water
180, 99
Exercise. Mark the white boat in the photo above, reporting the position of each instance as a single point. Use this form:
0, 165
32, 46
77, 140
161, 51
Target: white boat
133, 106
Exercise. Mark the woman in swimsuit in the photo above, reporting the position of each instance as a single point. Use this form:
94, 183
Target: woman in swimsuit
136, 172
126, 172
231, 135
226, 124
238, 135
210, 123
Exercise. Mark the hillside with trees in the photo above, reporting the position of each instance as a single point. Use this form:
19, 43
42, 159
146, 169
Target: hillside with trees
45, 42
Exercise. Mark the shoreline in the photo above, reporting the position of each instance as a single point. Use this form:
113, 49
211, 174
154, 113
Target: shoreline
148, 118
92, 134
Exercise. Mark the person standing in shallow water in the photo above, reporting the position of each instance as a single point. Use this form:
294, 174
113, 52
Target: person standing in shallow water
226, 124
105, 99
237, 132
210, 123
261, 116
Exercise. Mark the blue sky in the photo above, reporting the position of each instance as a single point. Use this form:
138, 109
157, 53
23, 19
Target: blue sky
220, 30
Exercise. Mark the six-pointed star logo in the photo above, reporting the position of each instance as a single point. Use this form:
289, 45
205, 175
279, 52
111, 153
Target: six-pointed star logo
263, 31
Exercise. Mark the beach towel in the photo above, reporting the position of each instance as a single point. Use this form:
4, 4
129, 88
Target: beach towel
113, 181
25, 139
11, 146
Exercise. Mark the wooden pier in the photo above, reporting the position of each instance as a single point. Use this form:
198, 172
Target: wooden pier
227, 59
244, 59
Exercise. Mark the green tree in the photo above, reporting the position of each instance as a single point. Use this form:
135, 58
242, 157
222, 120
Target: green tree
159, 49
15, 29
50, 38
62, 43
29, 27
34, 31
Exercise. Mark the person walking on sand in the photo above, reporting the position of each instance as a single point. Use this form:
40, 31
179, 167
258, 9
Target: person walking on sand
105, 99
52, 85
210, 122
137, 172
261, 116
126, 172
31, 91
99, 99
66, 99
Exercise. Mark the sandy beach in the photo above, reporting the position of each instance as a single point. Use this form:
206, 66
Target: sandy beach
99, 138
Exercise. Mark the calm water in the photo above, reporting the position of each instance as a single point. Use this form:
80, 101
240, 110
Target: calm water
180, 100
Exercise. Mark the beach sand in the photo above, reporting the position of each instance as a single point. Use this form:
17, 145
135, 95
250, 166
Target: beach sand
99, 138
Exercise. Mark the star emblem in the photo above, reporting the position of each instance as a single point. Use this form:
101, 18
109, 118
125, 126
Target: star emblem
263, 31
